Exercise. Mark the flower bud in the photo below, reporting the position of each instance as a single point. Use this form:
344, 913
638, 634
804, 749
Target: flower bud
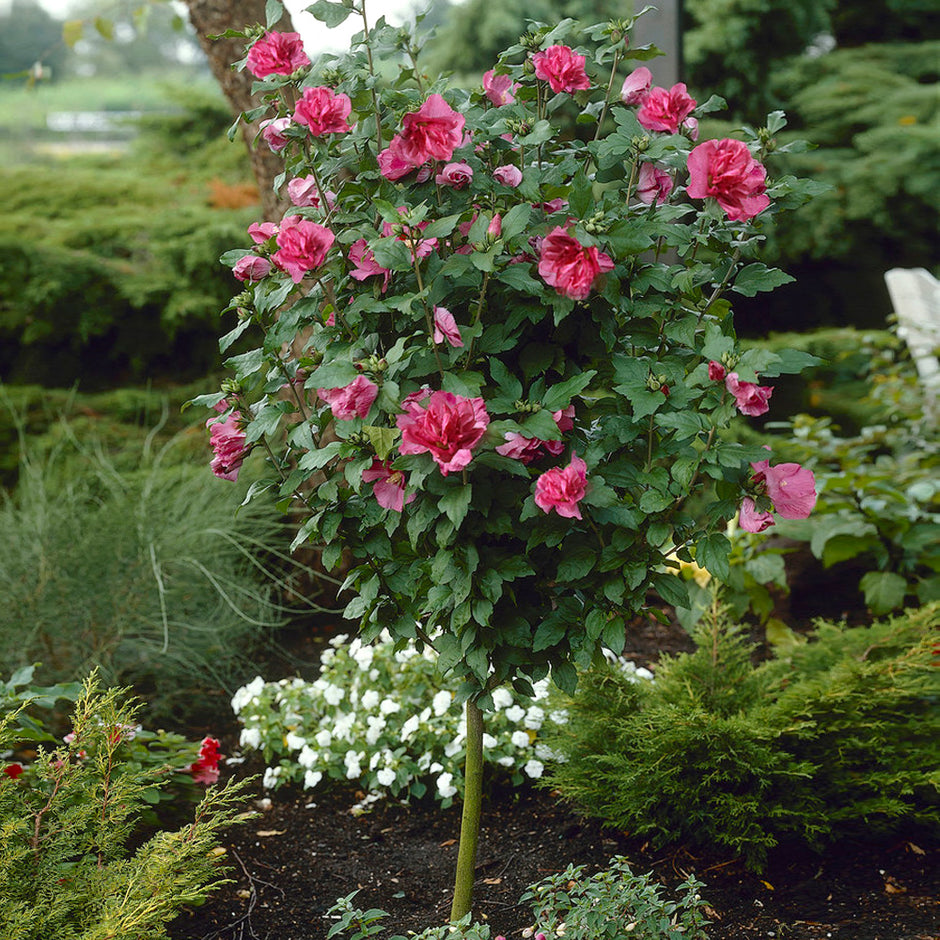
640, 143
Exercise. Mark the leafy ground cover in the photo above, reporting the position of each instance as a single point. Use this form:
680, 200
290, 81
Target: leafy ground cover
303, 852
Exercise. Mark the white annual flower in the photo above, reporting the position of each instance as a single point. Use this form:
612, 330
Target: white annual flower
489, 742
502, 698
644, 673
373, 675
376, 725
246, 693
506, 761
338, 641
435, 768
540, 689
294, 741
370, 699
312, 778
445, 785
534, 769
270, 777
544, 752
520, 738
250, 737
389, 706
324, 737
353, 768
454, 747
515, 713
343, 725
308, 758
333, 694
534, 718
441, 703
559, 716
386, 776
409, 727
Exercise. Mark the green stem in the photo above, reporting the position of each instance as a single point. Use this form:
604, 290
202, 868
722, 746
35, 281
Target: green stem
470, 820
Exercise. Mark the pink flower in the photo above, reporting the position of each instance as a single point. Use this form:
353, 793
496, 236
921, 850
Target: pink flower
790, 487
562, 488
13, 770
433, 132
277, 54
420, 247
251, 268
392, 166
323, 111
665, 109
500, 89
528, 449
690, 125
570, 267
303, 191
653, 185
716, 371
751, 520
636, 86
456, 175
508, 175
273, 132
302, 246
448, 429
445, 327
227, 440
725, 170
206, 768
351, 401
562, 68
262, 231
388, 485
750, 398
364, 263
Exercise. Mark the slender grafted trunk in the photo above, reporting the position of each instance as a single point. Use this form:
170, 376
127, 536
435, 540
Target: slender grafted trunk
470, 821
212, 18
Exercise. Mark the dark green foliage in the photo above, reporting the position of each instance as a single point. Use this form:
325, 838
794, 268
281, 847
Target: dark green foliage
873, 113
65, 868
28, 34
109, 275
139, 564
842, 736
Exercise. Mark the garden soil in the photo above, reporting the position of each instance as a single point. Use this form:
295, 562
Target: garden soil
305, 849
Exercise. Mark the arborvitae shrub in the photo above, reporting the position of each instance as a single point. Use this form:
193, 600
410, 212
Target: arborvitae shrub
66, 871
841, 737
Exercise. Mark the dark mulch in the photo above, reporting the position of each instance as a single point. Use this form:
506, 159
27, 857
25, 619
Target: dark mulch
305, 850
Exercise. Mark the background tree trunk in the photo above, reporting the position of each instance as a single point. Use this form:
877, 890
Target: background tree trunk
212, 18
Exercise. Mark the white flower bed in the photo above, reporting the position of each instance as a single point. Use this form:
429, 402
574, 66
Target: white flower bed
387, 720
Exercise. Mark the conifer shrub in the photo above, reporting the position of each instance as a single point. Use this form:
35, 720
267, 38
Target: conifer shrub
839, 737
65, 867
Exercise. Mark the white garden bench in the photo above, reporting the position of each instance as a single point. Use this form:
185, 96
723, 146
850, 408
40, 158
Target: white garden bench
915, 296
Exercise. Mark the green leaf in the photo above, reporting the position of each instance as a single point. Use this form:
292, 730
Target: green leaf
672, 590
581, 195
455, 503
105, 28
884, 591
594, 623
273, 11
576, 564
330, 13
560, 395
441, 228
565, 676
757, 277
515, 221
712, 553
72, 31
382, 439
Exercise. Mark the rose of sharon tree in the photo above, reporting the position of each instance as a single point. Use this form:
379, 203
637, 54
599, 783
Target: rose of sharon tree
472, 366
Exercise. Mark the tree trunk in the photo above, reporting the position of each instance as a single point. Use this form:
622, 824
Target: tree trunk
212, 18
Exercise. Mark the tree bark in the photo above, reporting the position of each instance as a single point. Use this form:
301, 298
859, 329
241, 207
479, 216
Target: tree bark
212, 18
